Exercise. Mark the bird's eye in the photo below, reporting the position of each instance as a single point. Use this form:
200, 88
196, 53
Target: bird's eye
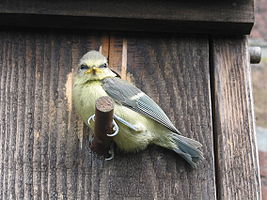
103, 66
84, 67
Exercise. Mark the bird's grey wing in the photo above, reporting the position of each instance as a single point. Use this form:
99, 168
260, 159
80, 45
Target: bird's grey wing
130, 96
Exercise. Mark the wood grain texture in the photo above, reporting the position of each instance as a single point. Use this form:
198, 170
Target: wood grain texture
174, 71
44, 145
40, 154
208, 16
234, 128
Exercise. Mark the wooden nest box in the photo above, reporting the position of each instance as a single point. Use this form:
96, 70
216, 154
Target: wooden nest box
190, 56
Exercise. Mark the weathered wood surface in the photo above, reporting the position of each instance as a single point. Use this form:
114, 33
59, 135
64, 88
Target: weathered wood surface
174, 71
40, 152
236, 152
40, 143
208, 16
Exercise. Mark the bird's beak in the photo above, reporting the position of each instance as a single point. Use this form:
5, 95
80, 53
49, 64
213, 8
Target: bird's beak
94, 71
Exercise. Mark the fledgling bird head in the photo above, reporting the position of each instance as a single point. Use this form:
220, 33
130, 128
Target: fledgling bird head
93, 66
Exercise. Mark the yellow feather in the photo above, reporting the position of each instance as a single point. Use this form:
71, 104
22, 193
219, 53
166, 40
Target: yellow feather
87, 89
85, 96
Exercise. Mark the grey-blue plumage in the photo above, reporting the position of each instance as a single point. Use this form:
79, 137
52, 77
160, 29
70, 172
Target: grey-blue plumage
130, 96
140, 120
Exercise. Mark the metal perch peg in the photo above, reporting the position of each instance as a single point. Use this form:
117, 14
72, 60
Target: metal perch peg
255, 55
104, 126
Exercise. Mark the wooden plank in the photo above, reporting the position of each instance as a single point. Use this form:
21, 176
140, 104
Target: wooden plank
234, 128
209, 16
174, 71
44, 146
39, 130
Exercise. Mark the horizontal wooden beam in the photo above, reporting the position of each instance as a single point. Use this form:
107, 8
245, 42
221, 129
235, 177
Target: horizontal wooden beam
192, 16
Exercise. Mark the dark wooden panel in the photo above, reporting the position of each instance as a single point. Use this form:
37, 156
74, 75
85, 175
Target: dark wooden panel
237, 160
40, 133
208, 16
43, 145
175, 72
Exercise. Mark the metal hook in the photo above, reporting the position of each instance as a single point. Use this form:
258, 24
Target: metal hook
115, 128
92, 117
111, 152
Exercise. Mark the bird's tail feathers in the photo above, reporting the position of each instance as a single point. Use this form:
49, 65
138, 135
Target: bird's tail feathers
188, 149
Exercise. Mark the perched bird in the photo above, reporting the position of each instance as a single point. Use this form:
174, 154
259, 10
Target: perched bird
141, 121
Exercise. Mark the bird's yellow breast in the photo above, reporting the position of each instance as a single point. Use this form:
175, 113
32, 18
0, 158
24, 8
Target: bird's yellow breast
85, 96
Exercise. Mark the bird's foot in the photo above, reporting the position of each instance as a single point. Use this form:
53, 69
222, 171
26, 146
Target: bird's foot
111, 153
115, 129
135, 127
139, 127
92, 117
115, 126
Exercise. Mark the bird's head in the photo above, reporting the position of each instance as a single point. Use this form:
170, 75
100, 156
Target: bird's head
93, 66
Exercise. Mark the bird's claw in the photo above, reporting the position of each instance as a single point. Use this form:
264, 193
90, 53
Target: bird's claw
111, 153
115, 129
126, 123
92, 117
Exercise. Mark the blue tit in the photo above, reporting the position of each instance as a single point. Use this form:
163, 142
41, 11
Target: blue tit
141, 121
